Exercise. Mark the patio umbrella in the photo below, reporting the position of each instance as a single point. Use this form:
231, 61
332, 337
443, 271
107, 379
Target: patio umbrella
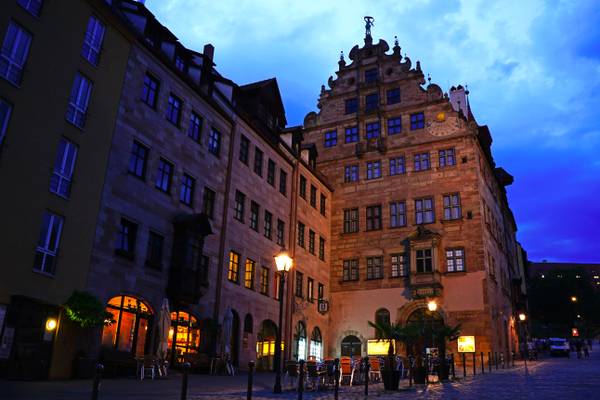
227, 326
164, 325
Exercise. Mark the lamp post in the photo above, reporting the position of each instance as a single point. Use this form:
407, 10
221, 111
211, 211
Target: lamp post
523, 329
283, 262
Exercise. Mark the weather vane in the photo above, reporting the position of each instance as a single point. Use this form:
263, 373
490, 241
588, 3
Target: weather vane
369, 22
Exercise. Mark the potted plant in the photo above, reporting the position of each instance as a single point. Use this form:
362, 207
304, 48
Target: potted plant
442, 334
390, 332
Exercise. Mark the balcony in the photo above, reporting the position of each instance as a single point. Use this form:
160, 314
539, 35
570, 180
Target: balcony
425, 284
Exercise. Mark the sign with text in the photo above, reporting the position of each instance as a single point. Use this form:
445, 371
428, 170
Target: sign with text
466, 344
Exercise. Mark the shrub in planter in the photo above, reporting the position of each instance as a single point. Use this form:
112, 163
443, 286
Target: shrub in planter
86, 310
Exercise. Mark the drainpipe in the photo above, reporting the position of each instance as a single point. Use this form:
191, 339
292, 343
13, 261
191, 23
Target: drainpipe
292, 247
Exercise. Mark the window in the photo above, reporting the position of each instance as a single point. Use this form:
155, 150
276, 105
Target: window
397, 214
49, 240
33, 6
254, 210
214, 141
311, 241
186, 194
373, 218
394, 125
60, 182
138, 160
313, 196
374, 169
330, 138
154, 253
393, 96
195, 128
399, 266
164, 175
280, 232
258, 161
129, 332
422, 162
249, 274
310, 289
372, 129
5, 111
323, 204
174, 107
13, 56
299, 283
374, 267
78, 100
352, 134
351, 173
446, 158
350, 270
150, 90
455, 260
417, 121
302, 190
424, 211
282, 182
382, 316
92, 42
234, 267
351, 105
371, 101
320, 292
371, 75
424, 260
397, 166
301, 235
271, 172
452, 206
240, 203
179, 63
126, 238
208, 202
264, 281
244, 149
268, 224
321, 249
351, 220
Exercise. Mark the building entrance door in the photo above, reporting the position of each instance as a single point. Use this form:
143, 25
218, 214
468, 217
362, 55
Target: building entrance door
351, 346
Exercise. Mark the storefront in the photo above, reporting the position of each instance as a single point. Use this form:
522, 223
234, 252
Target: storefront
130, 327
184, 337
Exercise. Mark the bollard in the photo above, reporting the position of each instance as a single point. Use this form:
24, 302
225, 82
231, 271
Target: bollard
184, 380
474, 364
502, 360
496, 357
410, 374
250, 378
453, 366
301, 380
490, 361
427, 368
513, 359
367, 367
96, 383
336, 376
482, 364
464, 362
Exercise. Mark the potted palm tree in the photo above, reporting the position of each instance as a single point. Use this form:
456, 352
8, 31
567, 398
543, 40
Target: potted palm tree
442, 334
414, 338
391, 333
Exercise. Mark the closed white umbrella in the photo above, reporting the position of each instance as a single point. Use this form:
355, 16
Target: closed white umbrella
227, 326
164, 325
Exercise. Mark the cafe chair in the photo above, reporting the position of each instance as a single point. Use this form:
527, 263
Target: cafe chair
346, 369
291, 373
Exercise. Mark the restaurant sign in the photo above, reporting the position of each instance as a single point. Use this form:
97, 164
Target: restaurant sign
466, 344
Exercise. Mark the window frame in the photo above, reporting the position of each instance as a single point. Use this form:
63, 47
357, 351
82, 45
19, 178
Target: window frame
398, 211
392, 97
374, 270
195, 127
371, 102
92, 46
397, 165
420, 209
373, 218
186, 192
214, 141
160, 175
373, 169
417, 121
351, 220
351, 173
150, 94
372, 130
351, 105
394, 126
62, 174
350, 270
239, 206
450, 207
233, 267
174, 109
330, 138
453, 258
48, 244
249, 273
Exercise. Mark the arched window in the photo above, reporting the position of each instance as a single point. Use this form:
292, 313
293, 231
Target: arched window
351, 346
382, 316
129, 327
300, 341
248, 324
185, 329
426, 321
316, 344
265, 345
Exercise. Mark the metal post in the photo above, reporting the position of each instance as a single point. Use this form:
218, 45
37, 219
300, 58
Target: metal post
453, 366
184, 380
367, 367
301, 380
250, 378
277, 357
490, 361
336, 375
410, 373
474, 364
502, 360
513, 358
96, 383
427, 368
482, 364
496, 356
464, 360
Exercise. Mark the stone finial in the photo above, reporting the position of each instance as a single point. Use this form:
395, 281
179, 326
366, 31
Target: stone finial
396, 47
342, 62
429, 78
419, 66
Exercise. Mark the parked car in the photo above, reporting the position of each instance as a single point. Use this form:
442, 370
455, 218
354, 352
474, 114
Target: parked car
559, 347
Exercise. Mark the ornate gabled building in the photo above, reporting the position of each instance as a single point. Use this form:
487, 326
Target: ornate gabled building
419, 211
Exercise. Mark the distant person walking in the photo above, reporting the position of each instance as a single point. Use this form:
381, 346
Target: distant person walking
586, 351
578, 346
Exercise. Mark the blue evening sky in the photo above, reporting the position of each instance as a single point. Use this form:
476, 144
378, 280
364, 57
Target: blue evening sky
532, 67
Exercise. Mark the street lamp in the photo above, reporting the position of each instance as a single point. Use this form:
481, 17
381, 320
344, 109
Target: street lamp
432, 306
522, 317
283, 262
574, 299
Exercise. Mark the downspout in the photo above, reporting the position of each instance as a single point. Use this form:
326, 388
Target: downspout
292, 242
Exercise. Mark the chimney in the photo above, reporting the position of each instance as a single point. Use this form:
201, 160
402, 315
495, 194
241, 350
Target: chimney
206, 81
458, 99
209, 51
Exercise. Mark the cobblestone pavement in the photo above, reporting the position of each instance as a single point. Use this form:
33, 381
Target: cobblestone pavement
551, 378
